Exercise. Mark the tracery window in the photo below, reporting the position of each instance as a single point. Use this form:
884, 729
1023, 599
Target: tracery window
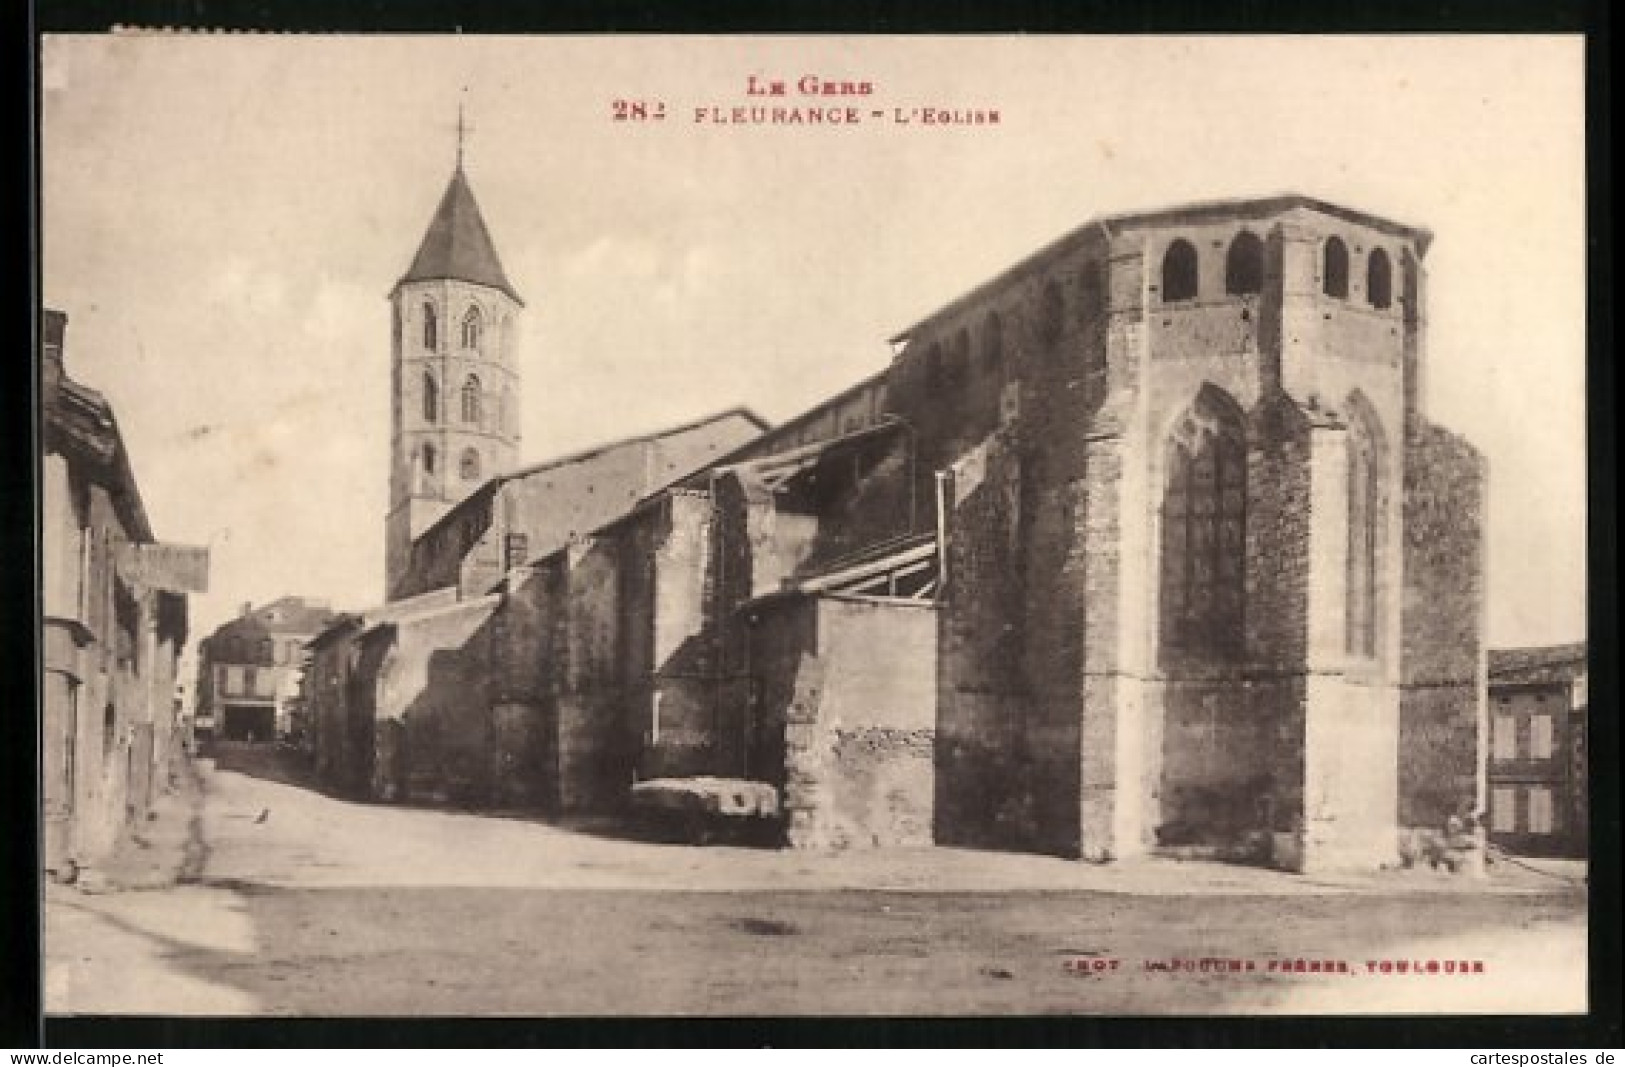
472, 400
1204, 516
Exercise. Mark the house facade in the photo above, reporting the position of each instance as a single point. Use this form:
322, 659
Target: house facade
249, 670
1538, 796
114, 604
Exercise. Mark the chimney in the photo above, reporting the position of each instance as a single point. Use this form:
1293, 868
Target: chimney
248, 606
53, 328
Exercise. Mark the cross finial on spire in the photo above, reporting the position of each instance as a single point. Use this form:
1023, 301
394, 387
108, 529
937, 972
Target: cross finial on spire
460, 133
462, 128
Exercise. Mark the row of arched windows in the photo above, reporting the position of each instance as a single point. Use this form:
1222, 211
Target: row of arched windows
1204, 523
471, 330
947, 360
472, 399
1244, 270
1334, 274
468, 465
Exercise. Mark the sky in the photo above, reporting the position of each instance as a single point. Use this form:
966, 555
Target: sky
223, 218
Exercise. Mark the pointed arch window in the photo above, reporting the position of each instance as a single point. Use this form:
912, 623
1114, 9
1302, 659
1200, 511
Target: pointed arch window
1204, 514
1364, 528
431, 399
431, 327
1379, 279
1334, 268
472, 400
1244, 265
471, 328
469, 467
1179, 271
428, 459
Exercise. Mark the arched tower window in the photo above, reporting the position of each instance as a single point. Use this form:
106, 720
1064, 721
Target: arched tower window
1204, 545
431, 328
1379, 279
1244, 265
472, 400
992, 343
1179, 271
428, 459
469, 467
1364, 530
431, 399
1334, 268
471, 328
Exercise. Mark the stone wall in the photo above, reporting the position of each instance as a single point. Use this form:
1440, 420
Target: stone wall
676, 678
1277, 620
597, 748
982, 791
847, 708
435, 681
1442, 657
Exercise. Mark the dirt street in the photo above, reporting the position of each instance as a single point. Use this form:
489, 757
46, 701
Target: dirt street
308, 905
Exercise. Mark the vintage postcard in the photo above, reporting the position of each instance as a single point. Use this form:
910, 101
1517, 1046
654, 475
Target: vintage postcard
841, 525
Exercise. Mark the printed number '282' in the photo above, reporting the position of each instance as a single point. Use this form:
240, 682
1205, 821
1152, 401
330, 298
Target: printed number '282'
637, 110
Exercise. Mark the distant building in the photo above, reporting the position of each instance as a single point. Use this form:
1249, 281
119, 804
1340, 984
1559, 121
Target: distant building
249, 668
114, 606
1538, 804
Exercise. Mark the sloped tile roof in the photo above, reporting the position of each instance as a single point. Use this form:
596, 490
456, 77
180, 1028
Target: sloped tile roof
1546, 663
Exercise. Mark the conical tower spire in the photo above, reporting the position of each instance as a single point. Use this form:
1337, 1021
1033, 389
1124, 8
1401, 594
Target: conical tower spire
457, 245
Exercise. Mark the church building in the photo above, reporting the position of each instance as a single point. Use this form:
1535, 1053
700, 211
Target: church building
1145, 544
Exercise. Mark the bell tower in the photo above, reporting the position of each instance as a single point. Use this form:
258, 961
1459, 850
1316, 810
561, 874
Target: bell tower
454, 380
